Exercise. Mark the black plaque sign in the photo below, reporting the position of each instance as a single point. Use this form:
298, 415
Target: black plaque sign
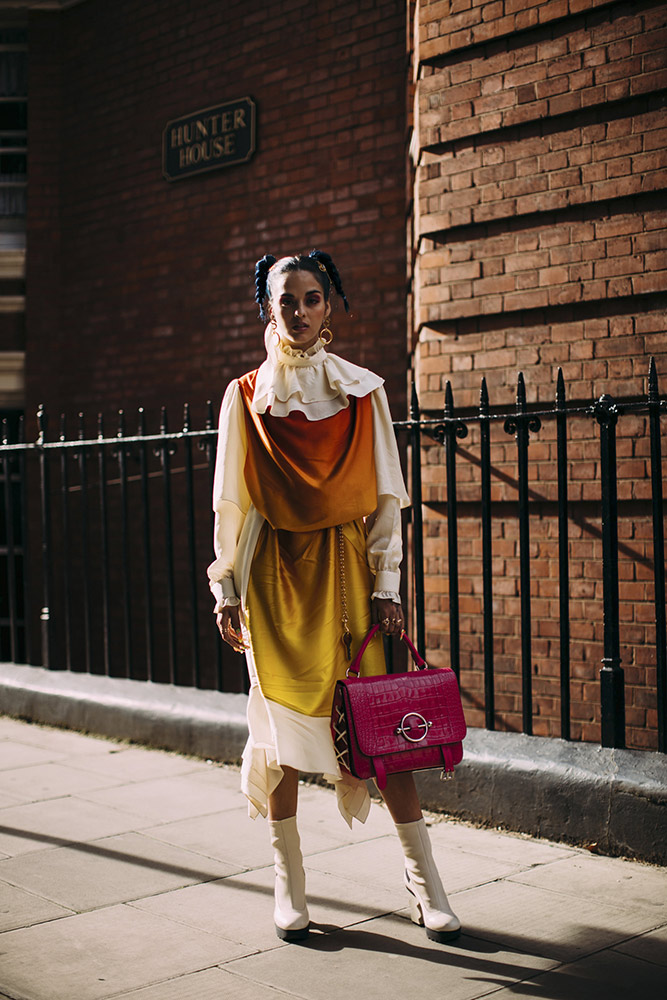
209, 139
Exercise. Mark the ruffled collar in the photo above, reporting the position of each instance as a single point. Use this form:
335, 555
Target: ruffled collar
313, 381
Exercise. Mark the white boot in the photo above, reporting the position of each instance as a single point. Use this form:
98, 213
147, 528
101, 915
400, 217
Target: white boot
291, 912
429, 906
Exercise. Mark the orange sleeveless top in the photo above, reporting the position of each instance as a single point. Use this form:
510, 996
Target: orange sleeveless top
303, 474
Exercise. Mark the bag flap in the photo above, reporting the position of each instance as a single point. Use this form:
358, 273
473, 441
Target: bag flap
418, 701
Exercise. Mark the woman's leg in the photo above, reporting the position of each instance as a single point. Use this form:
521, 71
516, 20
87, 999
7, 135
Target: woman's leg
291, 910
428, 900
283, 801
401, 798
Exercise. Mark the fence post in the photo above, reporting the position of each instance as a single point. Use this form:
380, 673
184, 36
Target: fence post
654, 407
104, 548
45, 496
417, 521
563, 558
521, 425
25, 543
121, 455
164, 452
209, 447
146, 544
612, 695
192, 551
7, 463
447, 434
66, 544
487, 556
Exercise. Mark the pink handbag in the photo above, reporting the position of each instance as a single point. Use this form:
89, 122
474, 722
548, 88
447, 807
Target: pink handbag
397, 722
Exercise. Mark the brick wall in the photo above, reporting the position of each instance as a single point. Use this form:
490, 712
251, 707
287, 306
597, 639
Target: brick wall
141, 292
540, 170
155, 278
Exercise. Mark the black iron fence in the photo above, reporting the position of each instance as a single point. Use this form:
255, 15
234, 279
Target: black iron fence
105, 539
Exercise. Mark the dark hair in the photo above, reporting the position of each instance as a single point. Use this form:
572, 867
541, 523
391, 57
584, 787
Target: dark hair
317, 262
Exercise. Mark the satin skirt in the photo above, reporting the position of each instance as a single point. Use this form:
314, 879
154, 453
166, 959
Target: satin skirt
293, 612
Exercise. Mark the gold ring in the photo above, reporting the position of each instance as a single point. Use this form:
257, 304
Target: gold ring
386, 621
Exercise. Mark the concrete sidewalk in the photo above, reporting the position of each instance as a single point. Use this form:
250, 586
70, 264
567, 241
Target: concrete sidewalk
132, 873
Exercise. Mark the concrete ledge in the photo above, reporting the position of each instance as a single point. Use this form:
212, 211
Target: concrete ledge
580, 793
203, 723
574, 792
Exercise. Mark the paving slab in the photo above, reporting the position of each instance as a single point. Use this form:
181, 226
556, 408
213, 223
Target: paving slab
624, 884
241, 907
50, 738
13, 755
95, 955
175, 797
458, 869
238, 909
228, 836
375, 863
11, 800
50, 781
213, 984
604, 976
447, 834
547, 923
22, 909
110, 870
651, 947
51, 823
388, 957
322, 819
137, 764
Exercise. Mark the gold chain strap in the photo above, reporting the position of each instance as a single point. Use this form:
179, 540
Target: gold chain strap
345, 621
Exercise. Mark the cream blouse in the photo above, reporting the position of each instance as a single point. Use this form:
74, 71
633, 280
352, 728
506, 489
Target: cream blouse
319, 385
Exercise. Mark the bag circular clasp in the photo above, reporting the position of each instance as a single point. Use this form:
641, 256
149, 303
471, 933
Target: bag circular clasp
404, 729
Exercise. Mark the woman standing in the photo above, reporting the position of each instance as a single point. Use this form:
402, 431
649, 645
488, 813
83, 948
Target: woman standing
307, 499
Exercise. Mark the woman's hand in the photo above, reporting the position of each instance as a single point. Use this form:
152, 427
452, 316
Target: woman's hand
388, 615
229, 624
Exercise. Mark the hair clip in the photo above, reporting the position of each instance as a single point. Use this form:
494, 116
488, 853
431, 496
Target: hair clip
322, 267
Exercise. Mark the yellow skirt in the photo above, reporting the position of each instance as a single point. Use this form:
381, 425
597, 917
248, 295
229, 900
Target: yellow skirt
293, 613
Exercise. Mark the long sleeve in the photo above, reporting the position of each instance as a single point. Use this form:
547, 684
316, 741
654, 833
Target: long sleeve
384, 544
230, 496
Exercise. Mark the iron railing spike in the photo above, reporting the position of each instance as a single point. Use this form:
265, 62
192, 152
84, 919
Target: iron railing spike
483, 395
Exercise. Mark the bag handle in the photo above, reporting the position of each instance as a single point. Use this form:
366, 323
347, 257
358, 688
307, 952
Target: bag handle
355, 666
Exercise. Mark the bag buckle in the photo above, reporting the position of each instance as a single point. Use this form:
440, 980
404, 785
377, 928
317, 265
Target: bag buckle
404, 729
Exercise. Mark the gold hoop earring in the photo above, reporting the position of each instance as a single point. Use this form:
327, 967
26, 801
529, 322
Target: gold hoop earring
326, 336
274, 330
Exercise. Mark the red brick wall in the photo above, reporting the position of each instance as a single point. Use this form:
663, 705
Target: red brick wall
156, 278
141, 291
539, 242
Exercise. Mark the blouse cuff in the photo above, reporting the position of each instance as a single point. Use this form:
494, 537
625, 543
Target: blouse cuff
386, 595
226, 602
387, 580
224, 593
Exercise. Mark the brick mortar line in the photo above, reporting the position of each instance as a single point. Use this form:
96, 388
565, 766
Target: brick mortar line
460, 53
599, 114
586, 211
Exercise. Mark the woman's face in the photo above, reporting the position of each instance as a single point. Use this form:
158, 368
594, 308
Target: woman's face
298, 308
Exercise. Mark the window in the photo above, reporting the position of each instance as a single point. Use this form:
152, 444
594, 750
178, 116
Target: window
13, 122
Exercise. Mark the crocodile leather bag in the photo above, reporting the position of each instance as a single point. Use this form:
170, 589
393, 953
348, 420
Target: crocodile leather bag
397, 722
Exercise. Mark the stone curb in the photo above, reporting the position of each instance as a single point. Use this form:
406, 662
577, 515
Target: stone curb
574, 792
206, 724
